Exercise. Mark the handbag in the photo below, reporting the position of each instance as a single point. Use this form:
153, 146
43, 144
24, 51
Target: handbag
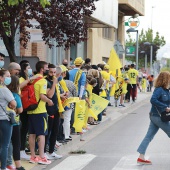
11, 116
165, 116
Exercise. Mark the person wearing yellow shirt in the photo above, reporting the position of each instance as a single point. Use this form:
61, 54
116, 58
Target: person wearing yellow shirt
91, 82
133, 80
38, 117
144, 84
124, 80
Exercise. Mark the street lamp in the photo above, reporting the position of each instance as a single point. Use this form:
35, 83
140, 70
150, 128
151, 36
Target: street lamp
133, 30
151, 53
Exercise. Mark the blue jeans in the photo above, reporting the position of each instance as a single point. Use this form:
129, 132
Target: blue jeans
10, 151
6, 132
154, 126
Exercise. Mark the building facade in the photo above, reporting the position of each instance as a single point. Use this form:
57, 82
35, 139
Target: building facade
106, 26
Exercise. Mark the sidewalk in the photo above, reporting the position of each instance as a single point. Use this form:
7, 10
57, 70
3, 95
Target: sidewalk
113, 114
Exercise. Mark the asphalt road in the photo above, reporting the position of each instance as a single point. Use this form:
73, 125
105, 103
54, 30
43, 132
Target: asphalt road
115, 148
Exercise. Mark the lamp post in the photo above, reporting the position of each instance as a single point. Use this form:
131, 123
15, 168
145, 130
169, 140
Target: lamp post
143, 52
133, 30
151, 53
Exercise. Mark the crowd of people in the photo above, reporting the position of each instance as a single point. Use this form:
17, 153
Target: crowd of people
50, 123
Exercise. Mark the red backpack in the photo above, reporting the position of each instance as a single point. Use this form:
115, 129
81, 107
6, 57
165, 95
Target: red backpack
28, 98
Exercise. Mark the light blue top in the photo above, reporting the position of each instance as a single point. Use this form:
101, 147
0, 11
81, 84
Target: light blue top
81, 82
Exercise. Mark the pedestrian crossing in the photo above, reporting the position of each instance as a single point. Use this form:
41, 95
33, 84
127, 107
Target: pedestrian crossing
79, 162
128, 163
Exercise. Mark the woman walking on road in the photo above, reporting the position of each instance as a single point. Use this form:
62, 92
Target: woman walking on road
160, 101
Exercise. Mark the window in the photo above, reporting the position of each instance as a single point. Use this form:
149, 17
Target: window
108, 33
105, 59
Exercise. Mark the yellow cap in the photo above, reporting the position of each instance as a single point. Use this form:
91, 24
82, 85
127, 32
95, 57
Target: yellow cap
63, 68
106, 67
78, 61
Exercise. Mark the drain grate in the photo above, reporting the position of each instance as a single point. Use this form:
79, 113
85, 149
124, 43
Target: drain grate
133, 113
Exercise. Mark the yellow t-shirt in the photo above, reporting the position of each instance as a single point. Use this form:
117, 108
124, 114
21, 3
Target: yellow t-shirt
40, 88
143, 82
132, 73
21, 80
106, 76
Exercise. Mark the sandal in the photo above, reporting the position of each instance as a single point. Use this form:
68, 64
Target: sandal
93, 123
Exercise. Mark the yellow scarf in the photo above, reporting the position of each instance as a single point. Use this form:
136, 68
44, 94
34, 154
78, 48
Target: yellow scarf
77, 77
60, 106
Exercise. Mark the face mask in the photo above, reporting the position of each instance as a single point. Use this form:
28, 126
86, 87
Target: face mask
7, 81
29, 72
1, 64
46, 72
65, 65
50, 77
60, 78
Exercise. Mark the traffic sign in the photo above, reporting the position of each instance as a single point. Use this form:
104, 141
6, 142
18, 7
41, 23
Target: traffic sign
130, 50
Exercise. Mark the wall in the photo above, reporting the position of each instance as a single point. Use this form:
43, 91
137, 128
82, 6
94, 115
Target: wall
98, 46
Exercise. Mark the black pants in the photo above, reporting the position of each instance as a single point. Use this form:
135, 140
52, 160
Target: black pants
60, 135
127, 96
24, 129
16, 142
53, 128
150, 85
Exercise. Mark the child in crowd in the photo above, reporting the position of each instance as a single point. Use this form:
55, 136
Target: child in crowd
91, 82
144, 84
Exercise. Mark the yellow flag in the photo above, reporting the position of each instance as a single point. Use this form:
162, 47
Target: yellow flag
114, 61
79, 116
71, 100
90, 111
98, 104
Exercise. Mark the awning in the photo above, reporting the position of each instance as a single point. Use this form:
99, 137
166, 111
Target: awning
95, 23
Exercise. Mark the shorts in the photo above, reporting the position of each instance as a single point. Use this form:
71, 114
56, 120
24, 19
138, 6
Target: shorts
38, 124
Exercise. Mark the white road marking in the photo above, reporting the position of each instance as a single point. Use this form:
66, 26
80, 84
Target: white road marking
128, 163
77, 162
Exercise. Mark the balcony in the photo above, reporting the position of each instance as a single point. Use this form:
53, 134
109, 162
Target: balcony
132, 7
105, 15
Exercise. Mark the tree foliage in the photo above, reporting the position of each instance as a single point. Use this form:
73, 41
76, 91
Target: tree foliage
145, 36
62, 21
16, 2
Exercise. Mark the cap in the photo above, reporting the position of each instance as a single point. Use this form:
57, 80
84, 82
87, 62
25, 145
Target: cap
78, 61
63, 68
106, 67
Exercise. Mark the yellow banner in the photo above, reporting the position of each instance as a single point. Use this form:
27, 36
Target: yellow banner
98, 104
90, 111
79, 115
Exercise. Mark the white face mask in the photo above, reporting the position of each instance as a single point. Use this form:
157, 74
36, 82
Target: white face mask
1, 64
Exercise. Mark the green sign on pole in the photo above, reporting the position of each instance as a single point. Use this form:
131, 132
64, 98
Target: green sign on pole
130, 50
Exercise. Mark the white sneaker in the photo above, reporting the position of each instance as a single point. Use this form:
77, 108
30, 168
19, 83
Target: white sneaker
46, 155
58, 144
24, 156
54, 156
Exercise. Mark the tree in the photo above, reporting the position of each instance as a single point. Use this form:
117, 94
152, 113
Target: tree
62, 21
145, 36
16, 2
